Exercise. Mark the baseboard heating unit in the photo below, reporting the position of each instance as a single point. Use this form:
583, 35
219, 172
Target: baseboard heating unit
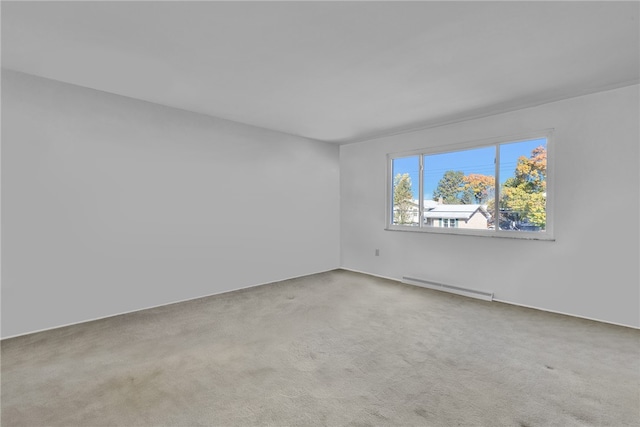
473, 293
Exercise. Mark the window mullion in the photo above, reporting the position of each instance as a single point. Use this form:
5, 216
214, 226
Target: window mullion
496, 190
421, 193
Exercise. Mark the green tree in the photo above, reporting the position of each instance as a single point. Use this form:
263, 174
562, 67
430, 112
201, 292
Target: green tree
402, 199
452, 189
525, 192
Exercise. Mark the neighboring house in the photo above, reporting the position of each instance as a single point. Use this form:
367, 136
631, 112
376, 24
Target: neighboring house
458, 216
413, 213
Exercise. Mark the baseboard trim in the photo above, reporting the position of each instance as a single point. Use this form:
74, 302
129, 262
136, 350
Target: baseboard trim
509, 302
296, 277
370, 274
593, 319
161, 305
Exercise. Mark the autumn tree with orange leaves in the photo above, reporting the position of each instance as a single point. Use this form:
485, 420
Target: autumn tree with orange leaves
481, 187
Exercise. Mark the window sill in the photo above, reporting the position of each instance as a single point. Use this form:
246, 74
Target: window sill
521, 235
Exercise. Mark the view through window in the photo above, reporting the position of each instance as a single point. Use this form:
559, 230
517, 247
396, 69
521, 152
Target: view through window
498, 187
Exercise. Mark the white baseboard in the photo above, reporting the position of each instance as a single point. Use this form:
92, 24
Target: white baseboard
511, 303
370, 274
160, 305
566, 314
295, 277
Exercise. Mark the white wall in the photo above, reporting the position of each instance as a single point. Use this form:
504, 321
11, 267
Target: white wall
110, 204
591, 270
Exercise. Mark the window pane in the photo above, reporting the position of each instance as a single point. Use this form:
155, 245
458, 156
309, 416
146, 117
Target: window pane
523, 185
459, 185
405, 191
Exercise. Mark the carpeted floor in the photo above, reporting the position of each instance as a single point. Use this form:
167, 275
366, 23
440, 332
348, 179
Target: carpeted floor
332, 349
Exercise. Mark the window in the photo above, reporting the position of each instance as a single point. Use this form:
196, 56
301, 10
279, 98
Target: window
494, 188
405, 206
449, 222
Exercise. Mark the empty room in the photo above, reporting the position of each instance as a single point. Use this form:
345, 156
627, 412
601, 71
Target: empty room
329, 213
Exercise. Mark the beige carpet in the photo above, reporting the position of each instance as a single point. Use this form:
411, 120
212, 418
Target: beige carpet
332, 349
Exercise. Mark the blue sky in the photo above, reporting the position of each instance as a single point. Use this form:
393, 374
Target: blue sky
478, 160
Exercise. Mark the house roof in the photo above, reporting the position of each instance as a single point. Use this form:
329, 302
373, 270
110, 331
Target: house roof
455, 211
428, 204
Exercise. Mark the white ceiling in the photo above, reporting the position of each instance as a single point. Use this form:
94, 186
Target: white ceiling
333, 71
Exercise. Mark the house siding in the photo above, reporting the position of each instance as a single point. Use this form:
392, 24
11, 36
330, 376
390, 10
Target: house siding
476, 221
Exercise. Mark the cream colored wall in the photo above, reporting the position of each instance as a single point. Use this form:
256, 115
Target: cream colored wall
477, 221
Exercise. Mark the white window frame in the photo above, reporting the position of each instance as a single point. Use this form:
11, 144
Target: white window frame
547, 234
